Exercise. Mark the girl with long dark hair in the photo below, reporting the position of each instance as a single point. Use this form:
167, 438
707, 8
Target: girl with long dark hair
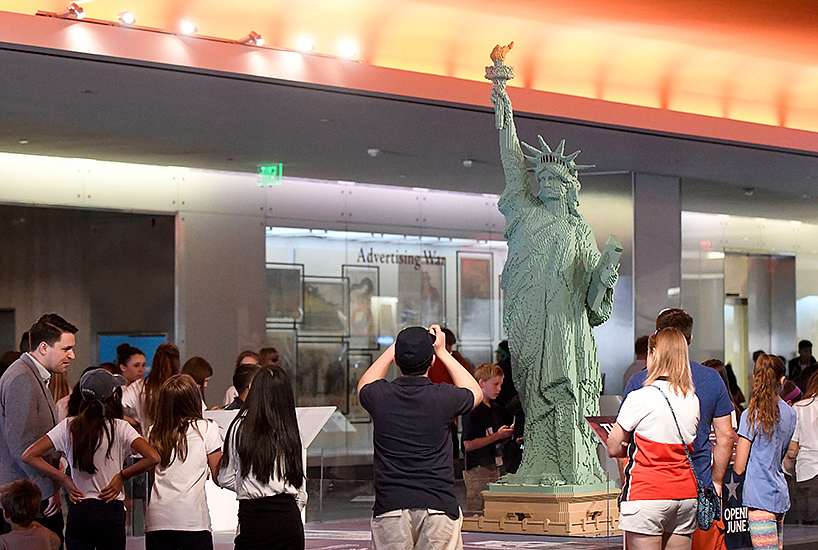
189, 448
131, 362
765, 431
96, 443
139, 399
262, 464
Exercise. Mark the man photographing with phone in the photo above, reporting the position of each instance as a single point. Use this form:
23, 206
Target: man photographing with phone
413, 470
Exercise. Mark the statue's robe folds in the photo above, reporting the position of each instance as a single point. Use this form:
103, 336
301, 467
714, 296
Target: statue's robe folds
554, 358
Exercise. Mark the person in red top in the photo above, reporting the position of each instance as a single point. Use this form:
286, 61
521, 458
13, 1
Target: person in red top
658, 501
439, 375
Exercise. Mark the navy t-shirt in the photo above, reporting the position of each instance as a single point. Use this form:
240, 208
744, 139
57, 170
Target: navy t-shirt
714, 402
413, 444
476, 424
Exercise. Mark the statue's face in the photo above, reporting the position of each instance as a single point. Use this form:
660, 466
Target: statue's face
551, 185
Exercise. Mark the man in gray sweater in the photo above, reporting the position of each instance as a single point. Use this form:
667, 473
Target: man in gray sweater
27, 410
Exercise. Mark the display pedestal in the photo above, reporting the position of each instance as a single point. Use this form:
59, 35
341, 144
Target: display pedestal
556, 511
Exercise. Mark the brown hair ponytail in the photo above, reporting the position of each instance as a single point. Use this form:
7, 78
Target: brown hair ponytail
762, 412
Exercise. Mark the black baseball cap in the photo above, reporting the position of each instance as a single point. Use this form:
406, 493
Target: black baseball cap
414, 349
100, 384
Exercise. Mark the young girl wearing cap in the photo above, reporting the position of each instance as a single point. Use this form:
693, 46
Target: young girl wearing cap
262, 464
189, 447
765, 431
96, 442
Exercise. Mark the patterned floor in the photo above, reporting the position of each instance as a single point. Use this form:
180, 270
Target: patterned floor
354, 535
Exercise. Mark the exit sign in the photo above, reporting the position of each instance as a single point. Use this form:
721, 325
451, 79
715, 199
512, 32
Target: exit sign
270, 174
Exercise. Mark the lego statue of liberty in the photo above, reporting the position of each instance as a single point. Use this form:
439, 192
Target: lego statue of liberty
558, 286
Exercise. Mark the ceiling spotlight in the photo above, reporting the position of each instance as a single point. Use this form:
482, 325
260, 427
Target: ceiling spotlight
126, 18
749, 191
187, 27
73, 10
468, 163
373, 152
347, 49
23, 141
253, 38
305, 44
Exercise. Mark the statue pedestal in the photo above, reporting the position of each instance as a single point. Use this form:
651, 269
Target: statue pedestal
556, 511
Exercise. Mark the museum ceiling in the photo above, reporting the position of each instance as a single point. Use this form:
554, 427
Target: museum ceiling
752, 66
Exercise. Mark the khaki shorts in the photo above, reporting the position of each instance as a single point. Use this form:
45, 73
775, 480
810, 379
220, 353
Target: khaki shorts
655, 517
416, 529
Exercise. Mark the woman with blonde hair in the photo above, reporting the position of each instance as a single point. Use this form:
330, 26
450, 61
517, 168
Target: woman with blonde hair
656, 424
765, 431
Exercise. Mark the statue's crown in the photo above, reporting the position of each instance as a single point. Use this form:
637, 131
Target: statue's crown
556, 161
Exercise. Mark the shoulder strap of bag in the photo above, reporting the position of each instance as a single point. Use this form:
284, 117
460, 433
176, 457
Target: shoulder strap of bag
690, 460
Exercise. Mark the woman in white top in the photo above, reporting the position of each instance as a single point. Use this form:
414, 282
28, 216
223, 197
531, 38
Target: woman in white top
246, 357
201, 371
804, 450
139, 398
189, 448
658, 500
96, 442
131, 362
262, 464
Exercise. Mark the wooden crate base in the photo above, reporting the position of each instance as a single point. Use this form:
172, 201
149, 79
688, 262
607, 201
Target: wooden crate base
583, 515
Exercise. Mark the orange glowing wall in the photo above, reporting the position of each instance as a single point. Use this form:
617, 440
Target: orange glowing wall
731, 59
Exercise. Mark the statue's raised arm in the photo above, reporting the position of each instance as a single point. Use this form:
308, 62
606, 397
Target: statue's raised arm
517, 181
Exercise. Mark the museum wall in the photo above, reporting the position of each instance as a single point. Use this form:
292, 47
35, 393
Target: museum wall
103, 271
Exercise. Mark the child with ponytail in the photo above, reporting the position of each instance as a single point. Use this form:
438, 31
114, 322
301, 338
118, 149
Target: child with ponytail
96, 442
765, 431
189, 448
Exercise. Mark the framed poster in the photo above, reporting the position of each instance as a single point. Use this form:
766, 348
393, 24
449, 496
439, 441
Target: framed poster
433, 294
364, 285
321, 377
421, 294
358, 362
285, 294
474, 286
285, 342
325, 307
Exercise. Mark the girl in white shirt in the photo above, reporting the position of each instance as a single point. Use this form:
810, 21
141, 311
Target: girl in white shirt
262, 464
804, 451
139, 399
131, 362
189, 448
96, 442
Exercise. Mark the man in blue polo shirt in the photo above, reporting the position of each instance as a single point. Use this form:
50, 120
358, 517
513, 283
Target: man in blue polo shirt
415, 504
715, 409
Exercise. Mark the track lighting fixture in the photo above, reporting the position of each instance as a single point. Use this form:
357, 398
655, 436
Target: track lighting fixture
187, 27
72, 11
253, 38
126, 18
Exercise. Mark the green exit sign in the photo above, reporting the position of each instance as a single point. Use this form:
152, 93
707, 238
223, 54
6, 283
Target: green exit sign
270, 174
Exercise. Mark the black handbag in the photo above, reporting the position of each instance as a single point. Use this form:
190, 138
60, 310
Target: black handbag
709, 509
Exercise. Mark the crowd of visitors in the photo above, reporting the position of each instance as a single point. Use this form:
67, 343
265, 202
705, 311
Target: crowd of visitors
116, 424
777, 434
677, 429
